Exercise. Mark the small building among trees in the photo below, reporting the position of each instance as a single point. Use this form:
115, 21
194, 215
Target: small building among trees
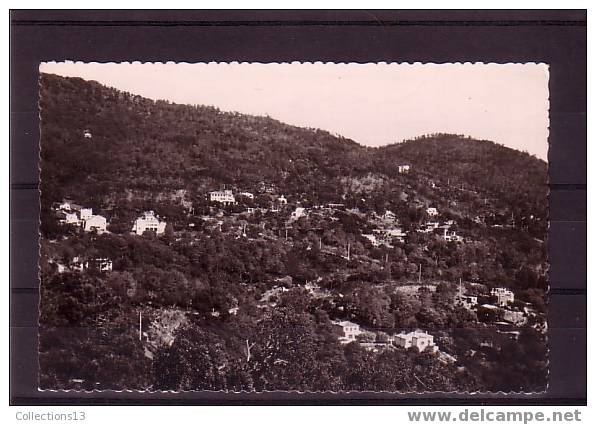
96, 223
348, 330
504, 296
403, 169
418, 339
225, 197
149, 221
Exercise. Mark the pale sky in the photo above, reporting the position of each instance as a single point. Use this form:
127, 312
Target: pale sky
373, 104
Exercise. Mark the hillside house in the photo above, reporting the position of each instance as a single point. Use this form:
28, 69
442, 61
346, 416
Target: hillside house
348, 330
263, 187
432, 212
403, 169
418, 339
70, 218
428, 227
504, 296
99, 264
311, 287
148, 221
431, 225
396, 233
96, 223
225, 197
77, 264
298, 213
85, 213
67, 205
372, 239
451, 236
466, 301
389, 215
282, 200
64, 205
247, 195
87, 134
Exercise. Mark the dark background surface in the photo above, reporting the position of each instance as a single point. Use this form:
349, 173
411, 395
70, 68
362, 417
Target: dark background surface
556, 37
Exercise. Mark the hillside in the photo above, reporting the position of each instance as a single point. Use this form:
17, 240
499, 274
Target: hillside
149, 280
513, 178
141, 145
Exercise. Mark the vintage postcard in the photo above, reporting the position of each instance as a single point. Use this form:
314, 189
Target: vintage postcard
311, 227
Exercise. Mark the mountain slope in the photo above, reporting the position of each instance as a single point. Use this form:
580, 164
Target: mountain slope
509, 174
271, 280
141, 145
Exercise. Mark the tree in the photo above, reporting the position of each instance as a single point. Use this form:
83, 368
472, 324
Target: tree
197, 360
284, 354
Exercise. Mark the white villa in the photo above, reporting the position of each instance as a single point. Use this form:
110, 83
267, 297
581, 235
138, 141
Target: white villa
504, 296
297, 213
419, 339
247, 195
349, 331
80, 216
404, 168
100, 264
95, 223
71, 218
432, 212
282, 200
451, 236
65, 205
397, 233
225, 197
429, 227
77, 264
85, 213
148, 221
466, 301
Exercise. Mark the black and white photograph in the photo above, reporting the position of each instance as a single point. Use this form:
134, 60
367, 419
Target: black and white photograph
302, 227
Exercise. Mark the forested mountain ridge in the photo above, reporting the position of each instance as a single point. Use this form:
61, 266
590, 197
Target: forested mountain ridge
141, 144
514, 177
